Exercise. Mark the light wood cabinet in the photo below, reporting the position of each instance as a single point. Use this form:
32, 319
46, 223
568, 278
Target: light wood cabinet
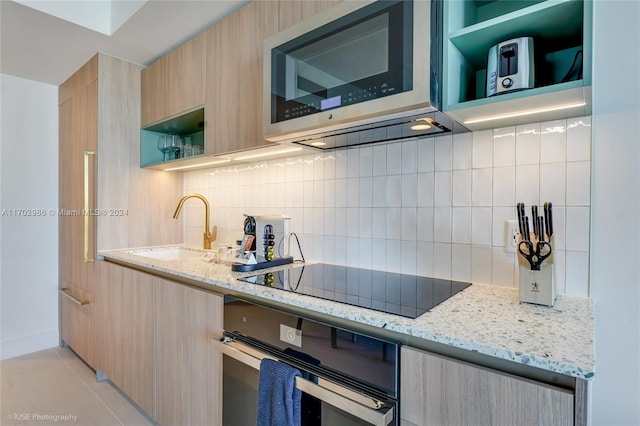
174, 83
105, 200
436, 390
125, 305
189, 368
234, 78
292, 12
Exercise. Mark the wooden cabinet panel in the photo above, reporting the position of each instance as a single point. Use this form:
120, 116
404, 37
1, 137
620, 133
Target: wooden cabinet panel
77, 322
126, 331
99, 109
174, 83
234, 78
440, 391
189, 369
294, 11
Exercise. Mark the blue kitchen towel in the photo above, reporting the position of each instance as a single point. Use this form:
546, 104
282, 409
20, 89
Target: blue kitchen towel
278, 397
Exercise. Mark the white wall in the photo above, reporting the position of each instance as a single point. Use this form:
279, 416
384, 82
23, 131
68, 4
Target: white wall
434, 206
615, 232
29, 244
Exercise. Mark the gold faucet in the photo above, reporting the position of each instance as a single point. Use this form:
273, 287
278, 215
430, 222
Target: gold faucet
208, 235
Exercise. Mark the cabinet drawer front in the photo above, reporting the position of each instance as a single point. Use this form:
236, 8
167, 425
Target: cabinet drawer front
77, 323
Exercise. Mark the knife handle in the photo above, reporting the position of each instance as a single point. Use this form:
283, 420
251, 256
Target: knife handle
534, 218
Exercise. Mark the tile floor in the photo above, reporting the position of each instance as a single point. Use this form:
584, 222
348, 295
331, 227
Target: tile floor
54, 387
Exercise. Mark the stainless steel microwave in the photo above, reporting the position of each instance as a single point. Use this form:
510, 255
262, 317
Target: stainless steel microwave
357, 63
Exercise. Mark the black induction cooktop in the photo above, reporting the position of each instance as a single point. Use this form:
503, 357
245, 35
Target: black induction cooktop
400, 294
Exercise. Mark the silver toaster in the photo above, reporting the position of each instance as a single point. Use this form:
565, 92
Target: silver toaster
510, 66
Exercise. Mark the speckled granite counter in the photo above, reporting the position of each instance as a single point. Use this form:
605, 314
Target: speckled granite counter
485, 319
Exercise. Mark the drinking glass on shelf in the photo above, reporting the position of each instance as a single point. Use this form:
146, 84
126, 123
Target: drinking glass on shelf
175, 145
188, 147
164, 146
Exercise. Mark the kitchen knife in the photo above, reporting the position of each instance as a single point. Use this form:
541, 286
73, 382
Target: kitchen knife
520, 212
548, 216
534, 219
541, 228
526, 236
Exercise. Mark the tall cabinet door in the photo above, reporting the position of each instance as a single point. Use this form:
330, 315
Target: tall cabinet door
234, 77
78, 141
294, 11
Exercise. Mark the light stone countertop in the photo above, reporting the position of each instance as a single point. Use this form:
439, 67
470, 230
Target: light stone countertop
485, 319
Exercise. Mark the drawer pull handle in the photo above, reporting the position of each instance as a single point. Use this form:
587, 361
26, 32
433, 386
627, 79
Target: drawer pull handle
65, 293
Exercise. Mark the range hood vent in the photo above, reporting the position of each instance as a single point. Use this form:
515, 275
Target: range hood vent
409, 126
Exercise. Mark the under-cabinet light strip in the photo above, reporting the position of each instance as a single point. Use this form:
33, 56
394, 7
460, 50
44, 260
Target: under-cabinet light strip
211, 163
265, 154
527, 112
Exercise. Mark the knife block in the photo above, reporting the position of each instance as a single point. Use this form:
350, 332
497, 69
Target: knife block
537, 287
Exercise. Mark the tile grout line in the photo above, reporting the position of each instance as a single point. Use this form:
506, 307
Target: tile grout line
90, 390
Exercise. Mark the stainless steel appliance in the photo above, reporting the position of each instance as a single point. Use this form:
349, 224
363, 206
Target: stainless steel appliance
510, 66
359, 63
347, 378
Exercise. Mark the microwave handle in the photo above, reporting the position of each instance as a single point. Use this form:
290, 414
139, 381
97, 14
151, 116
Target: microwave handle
336, 397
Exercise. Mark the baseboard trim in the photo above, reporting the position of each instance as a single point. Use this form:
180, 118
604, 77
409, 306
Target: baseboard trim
12, 348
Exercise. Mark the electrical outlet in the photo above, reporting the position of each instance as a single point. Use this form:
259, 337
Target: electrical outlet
511, 235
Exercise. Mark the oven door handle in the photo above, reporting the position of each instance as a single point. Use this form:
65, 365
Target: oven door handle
338, 396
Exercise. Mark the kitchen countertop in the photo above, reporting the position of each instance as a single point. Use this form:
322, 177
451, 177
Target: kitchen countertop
484, 319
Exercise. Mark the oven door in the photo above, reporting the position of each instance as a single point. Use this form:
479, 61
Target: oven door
324, 402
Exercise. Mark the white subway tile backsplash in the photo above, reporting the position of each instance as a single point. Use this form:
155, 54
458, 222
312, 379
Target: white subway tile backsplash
442, 224
426, 188
394, 218
425, 224
553, 183
577, 273
482, 154
442, 188
528, 144
426, 155
553, 142
379, 191
410, 156
579, 183
504, 147
366, 161
462, 151
461, 262
500, 216
409, 190
461, 188
366, 192
378, 222
528, 184
443, 149
502, 267
504, 186
379, 160
579, 139
442, 261
481, 225
481, 264
394, 159
394, 191
434, 206
409, 227
461, 225
482, 187
424, 259
577, 229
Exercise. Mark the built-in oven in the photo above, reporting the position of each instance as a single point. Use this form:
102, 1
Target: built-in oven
353, 64
347, 378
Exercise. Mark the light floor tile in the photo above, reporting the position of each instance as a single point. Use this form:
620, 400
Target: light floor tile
54, 382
